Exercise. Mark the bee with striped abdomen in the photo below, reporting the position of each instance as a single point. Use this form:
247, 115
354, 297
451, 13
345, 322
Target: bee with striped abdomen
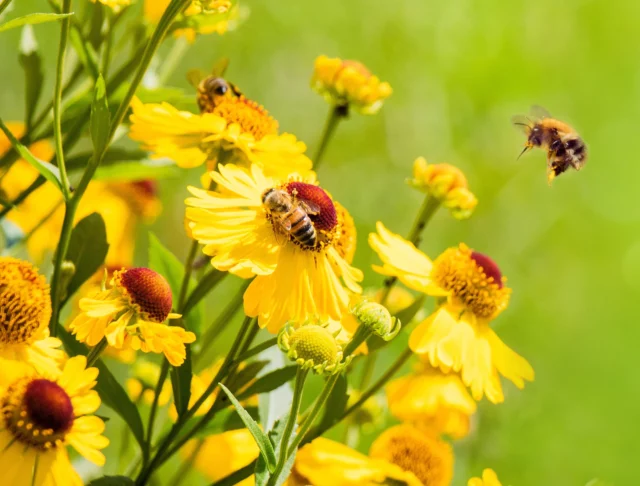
291, 216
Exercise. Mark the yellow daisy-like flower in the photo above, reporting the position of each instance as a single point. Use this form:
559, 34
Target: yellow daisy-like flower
489, 478
245, 233
115, 5
457, 336
238, 128
446, 183
41, 416
141, 387
428, 458
130, 314
324, 462
25, 310
432, 400
349, 83
223, 454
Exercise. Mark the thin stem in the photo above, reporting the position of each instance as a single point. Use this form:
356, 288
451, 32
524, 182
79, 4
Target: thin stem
57, 99
4, 5
367, 372
61, 251
336, 113
106, 56
96, 351
172, 60
164, 372
255, 350
298, 387
188, 268
181, 475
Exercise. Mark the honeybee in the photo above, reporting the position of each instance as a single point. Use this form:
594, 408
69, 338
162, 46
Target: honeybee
291, 215
212, 88
564, 146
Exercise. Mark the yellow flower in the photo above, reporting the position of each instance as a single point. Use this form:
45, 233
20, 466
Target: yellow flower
115, 5
349, 83
457, 336
222, 454
295, 281
324, 462
41, 416
432, 400
143, 383
489, 478
446, 183
130, 314
428, 458
239, 129
25, 310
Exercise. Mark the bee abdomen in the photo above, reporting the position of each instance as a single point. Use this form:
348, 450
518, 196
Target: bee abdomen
303, 231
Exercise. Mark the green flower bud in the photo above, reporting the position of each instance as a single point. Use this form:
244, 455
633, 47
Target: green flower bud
377, 319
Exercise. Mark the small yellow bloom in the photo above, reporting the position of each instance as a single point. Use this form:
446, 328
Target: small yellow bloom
293, 282
43, 414
446, 183
115, 5
428, 458
239, 129
457, 336
131, 313
489, 478
432, 400
223, 454
143, 383
349, 83
25, 310
324, 462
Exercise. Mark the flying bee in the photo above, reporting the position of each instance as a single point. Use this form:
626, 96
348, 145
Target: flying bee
565, 148
291, 215
212, 88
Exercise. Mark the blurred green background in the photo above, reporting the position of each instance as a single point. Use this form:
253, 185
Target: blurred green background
460, 69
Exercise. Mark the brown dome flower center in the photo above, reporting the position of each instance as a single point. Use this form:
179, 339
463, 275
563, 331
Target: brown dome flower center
25, 304
489, 267
48, 405
327, 217
149, 290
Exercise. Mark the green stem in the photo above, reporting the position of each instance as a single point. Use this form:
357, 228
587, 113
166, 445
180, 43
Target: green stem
106, 56
298, 387
164, 372
61, 251
188, 268
172, 60
96, 351
367, 372
336, 113
255, 350
183, 472
4, 5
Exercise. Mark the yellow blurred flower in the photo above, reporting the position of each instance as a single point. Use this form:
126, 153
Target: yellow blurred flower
25, 310
489, 478
428, 458
115, 5
432, 400
324, 462
238, 129
457, 336
44, 414
141, 386
446, 183
223, 454
349, 83
294, 282
130, 315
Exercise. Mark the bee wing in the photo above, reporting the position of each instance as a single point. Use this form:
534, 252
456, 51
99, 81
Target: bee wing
310, 207
194, 76
538, 112
521, 122
220, 67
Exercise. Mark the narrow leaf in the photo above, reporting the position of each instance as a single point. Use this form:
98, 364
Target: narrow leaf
135, 170
270, 381
49, 171
181, 384
336, 404
109, 389
204, 286
245, 376
112, 481
100, 117
86, 53
31, 63
264, 444
88, 249
275, 436
32, 19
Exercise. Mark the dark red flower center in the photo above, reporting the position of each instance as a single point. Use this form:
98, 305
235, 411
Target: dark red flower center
327, 217
150, 291
148, 187
48, 405
489, 267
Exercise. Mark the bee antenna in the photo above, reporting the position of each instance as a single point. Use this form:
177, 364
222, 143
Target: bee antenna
521, 124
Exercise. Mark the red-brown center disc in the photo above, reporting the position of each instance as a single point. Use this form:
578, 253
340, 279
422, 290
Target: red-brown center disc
489, 267
148, 187
150, 291
48, 405
327, 217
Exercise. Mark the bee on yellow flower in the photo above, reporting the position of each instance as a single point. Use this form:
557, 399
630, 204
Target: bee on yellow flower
131, 314
457, 336
349, 84
42, 414
294, 281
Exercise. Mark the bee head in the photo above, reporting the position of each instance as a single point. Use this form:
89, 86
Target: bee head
535, 136
215, 85
266, 194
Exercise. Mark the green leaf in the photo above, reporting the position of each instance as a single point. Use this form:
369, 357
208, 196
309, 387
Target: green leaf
88, 249
181, 383
100, 117
86, 53
336, 404
203, 287
32, 19
47, 170
112, 481
31, 63
135, 170
269, 382
275, 436
108, 387
234, 422
245, 375
263, 442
